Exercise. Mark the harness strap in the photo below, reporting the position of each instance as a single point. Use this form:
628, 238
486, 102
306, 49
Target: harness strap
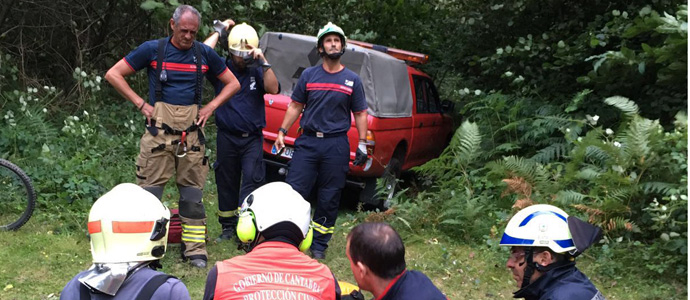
197, 60
159, 67
153, 130
150, 288
158, 148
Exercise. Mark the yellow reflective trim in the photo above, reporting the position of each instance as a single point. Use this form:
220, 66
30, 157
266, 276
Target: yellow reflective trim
227, 214
194, 226
197, 231
320, 230
194, 240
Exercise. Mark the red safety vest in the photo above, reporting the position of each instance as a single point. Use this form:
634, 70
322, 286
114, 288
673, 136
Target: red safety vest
274, 270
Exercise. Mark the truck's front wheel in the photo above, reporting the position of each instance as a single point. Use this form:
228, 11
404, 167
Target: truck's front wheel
389, 180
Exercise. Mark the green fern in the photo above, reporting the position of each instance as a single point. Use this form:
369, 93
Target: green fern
567, 197
596, 154
663, 188
588, 173
628, 107
551, 153
637, 137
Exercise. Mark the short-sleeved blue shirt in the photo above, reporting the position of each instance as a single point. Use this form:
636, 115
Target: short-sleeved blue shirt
329, 98
180, 67
244, 112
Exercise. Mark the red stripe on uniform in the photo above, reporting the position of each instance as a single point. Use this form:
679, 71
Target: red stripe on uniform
321, 86
132, 227
180, 67
332, 90
94, 227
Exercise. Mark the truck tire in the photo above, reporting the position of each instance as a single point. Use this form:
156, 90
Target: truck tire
381, 201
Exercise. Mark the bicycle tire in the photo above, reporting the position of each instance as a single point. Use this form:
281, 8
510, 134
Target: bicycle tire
31, 196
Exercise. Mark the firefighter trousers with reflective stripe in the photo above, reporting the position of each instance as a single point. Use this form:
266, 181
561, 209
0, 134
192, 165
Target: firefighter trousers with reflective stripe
240, 159
324, 162
163, 155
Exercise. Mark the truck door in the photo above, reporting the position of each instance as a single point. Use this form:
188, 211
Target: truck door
427, 121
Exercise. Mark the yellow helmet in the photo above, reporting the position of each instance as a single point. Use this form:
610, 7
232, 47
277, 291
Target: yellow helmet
239, 37
128, 224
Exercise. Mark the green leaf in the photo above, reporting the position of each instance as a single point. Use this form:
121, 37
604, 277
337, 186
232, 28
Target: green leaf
628, 107
641, 67
151, 5
593, 42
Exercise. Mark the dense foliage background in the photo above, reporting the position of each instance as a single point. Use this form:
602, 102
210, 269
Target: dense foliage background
581, 104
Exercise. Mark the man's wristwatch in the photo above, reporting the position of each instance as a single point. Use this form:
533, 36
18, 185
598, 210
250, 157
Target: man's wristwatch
283, 130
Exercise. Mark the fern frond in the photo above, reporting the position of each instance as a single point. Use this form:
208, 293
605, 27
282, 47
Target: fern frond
654, 187
551, 153
636, 138
570, 196
588, 173
517, 185
593, 213
628, 107
596, 154
618, 223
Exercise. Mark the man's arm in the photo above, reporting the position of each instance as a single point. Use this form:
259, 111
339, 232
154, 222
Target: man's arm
231, 87
291, 115
361, 124
116, 77
210, 288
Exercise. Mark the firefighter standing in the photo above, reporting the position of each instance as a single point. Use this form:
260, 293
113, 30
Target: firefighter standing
128, 228
173, 143
240, 122
274, 219
328, 93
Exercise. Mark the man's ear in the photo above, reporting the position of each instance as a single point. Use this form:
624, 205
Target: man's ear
172, 24
544, 258
362, 269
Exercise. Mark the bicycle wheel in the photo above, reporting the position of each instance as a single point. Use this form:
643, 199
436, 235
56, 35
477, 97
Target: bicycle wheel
17, 196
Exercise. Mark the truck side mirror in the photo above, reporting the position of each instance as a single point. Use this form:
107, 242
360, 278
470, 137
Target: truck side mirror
447, 106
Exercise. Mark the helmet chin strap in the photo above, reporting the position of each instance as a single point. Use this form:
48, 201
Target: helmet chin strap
532, 265
332, 55
529, 269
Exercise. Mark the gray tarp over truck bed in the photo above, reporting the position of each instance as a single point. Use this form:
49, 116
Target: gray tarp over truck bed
388, 96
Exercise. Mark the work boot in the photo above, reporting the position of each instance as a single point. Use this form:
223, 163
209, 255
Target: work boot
229, 233
316, 254
198, 263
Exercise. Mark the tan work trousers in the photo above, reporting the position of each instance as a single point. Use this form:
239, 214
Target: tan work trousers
163, 155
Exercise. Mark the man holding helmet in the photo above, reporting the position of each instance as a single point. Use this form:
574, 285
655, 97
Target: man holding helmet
129, 232
274, 220
544, 242
328, 93
240, 121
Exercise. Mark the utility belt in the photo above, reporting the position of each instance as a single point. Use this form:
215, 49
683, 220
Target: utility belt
171, 119
240, 133
319, 134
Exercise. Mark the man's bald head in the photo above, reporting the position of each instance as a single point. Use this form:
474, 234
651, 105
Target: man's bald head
379, 247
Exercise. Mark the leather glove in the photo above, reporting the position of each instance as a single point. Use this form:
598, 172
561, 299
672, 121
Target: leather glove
361, 154
218, 26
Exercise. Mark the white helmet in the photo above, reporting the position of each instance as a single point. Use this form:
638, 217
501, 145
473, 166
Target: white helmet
271, 204
540, 225
128, 224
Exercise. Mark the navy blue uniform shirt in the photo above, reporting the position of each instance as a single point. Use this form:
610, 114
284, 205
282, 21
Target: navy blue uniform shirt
412, 285
244, 112
329, 98
180, 67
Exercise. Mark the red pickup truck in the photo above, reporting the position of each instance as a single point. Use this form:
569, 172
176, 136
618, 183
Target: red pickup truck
407, 126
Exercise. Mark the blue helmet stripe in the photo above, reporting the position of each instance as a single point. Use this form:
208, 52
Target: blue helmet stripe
509, 240
538, 213
565, 243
